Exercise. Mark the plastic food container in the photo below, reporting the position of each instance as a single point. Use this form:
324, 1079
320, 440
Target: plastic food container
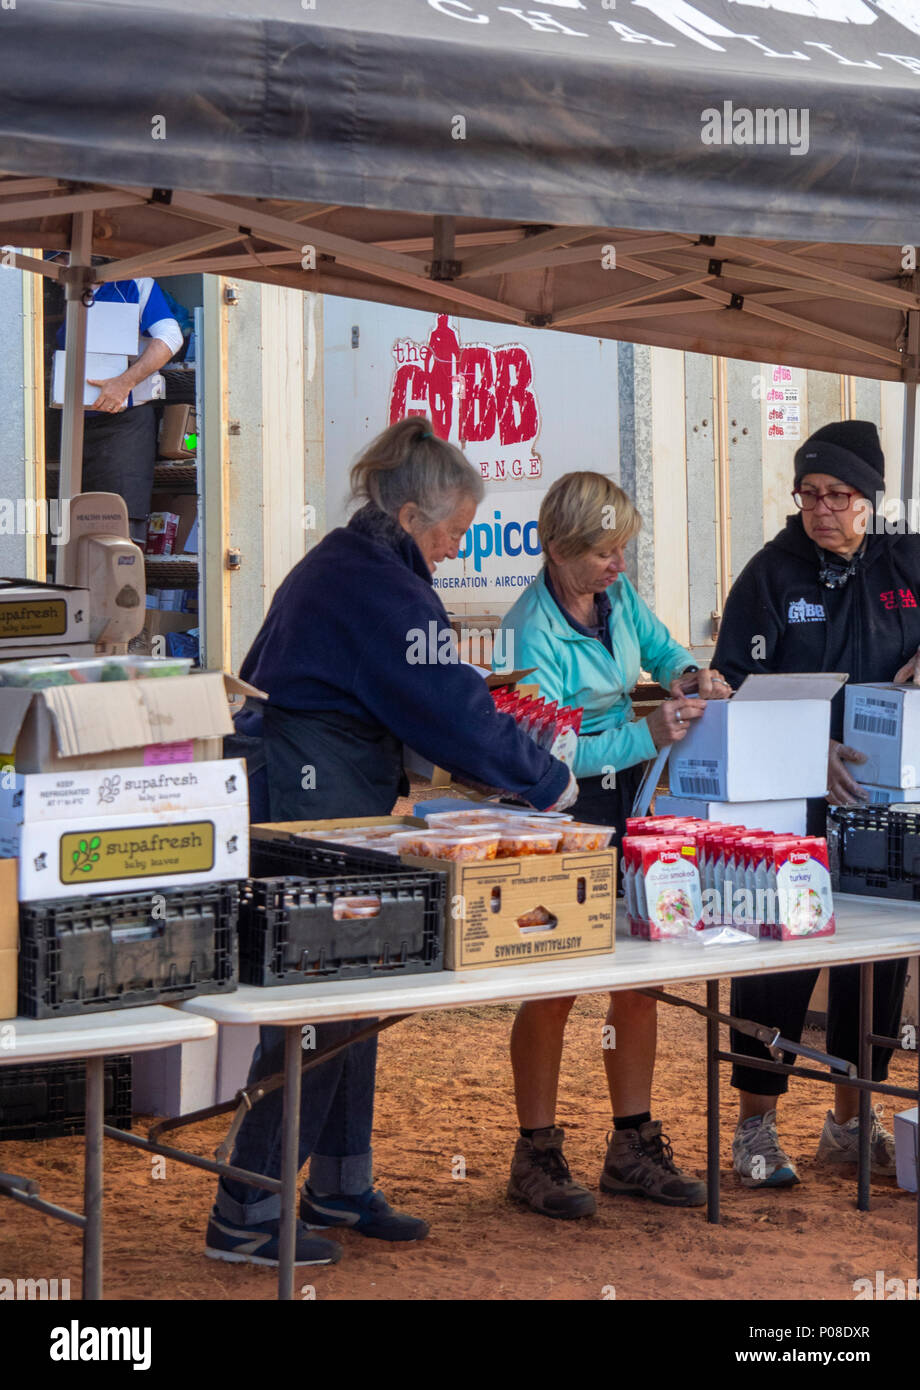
457, 846
577, 835
40, 675
468, 817
118, 668
149, 666
515, 844
348, 909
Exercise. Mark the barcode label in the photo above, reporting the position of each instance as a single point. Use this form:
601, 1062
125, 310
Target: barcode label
699, 786
875, 724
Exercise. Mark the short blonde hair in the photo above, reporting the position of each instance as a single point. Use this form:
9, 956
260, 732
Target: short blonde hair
582, 509
409, 463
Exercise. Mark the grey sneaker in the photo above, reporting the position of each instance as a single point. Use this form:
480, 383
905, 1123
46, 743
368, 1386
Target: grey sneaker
840, 1144
757, 1157
641, 1162
540, 1177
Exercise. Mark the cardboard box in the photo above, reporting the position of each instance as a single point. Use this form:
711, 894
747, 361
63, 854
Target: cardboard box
905, 1149
110, 854
54, 796
886, 796
177, 422
149, 723
235, 1046
883, 721
185, 508
112, 327
786, 816
42, 615
175, 1080
100, 366
578, 890
158, 623
72, 651
9, 938
162, 529
767, 743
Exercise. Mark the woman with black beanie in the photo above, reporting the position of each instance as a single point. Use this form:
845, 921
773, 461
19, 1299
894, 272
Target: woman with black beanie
837, 590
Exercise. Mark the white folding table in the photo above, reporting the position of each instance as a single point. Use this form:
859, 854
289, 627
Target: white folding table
92, 1037
868, 930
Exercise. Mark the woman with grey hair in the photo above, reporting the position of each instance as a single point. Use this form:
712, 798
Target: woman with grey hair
357, 657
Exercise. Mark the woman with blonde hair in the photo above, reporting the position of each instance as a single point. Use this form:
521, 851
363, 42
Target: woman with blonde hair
587, 633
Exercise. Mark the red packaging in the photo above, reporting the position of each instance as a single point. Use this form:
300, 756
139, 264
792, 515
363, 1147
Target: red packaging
162, 529
805, 905
671, 888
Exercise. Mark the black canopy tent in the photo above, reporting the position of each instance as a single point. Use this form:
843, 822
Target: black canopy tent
724, 176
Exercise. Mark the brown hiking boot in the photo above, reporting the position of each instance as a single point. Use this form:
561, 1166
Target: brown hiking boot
540, 1177
641, 1161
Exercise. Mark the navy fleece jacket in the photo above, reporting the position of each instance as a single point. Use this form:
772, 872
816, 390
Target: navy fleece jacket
339, 634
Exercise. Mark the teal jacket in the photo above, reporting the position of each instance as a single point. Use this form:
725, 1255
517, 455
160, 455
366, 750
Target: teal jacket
578, 670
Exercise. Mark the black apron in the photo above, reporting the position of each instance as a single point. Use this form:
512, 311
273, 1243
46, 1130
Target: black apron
318, 766
120, 454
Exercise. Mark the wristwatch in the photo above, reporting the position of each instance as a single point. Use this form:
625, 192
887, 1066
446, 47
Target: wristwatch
688, 670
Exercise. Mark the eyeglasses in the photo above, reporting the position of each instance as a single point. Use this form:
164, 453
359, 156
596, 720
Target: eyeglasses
837, 500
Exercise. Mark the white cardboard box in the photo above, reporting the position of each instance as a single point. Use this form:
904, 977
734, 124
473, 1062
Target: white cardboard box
52, 796
882, 720
787, 816
175, 1080
767, 743
886, 796
99, 367
112, 327
111, 854
42, 615
905, 1149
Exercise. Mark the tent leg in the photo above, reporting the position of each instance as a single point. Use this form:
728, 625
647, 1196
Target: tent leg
909, 439
71, 479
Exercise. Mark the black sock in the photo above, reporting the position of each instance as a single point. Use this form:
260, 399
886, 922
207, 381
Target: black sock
631, 1121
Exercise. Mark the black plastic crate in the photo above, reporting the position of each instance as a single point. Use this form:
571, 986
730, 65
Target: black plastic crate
306, 858
46, 1100
122, 950
875, 851
289, 933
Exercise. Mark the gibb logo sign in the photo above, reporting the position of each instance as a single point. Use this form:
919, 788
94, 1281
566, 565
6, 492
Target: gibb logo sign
477, 393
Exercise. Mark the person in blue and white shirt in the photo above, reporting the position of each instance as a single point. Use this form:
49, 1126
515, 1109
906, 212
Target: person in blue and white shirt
120, 433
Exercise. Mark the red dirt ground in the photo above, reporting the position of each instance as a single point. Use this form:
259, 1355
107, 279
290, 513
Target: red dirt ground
444, 1089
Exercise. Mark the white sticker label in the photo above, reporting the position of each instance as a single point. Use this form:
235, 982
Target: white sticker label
874, 715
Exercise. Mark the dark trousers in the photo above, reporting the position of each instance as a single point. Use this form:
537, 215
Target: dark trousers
119, 455
600, 805
781, 1001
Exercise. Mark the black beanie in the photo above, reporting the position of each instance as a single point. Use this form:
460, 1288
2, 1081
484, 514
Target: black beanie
849, 450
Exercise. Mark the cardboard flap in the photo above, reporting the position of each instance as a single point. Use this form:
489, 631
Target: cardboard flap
14, 706
234, 686
129, 714
812, 685
499, 678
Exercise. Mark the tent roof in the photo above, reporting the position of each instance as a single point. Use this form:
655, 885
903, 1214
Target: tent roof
482, 158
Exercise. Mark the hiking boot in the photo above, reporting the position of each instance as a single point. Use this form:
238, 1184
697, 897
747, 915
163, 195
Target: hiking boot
369, 1213
641, 1161
258, 1245
757, 1157
840, 1144
540, 1177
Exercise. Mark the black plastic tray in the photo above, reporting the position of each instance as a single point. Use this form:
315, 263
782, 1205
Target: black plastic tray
118, 951
45, 1100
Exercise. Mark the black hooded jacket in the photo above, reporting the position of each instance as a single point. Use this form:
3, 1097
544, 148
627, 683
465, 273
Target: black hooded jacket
780, 617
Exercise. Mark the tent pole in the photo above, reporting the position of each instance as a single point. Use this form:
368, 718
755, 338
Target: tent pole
71, 477
909, 450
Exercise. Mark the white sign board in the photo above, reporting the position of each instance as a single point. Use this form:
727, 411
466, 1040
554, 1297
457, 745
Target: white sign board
525, 406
